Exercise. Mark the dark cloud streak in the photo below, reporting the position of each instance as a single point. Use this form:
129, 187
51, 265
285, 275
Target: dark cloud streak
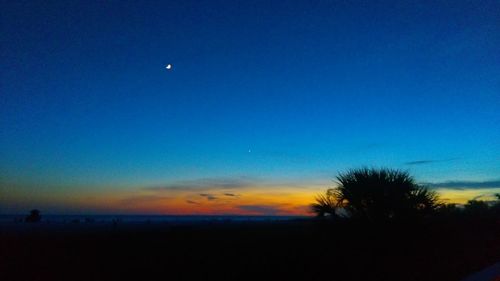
209, 196
428, 161
231, 194
465, 184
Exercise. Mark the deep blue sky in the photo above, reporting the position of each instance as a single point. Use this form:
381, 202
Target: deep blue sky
282, 91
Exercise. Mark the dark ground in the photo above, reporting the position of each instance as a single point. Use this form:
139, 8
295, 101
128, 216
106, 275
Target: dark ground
304, 250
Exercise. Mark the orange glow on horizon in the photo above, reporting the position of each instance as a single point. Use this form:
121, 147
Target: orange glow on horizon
248, 201
458, 196
252, 200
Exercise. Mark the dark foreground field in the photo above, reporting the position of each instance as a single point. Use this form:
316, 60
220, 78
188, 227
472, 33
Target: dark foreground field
304, 250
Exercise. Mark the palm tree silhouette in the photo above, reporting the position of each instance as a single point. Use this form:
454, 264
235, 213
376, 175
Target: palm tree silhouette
382, 194
325, 204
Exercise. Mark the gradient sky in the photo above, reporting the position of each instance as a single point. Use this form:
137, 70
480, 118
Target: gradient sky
266, 102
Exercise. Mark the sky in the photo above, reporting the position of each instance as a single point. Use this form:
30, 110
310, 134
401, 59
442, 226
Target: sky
265, 103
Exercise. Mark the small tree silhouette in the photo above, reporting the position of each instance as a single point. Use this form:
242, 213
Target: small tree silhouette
34, 216
476, 208
381, 194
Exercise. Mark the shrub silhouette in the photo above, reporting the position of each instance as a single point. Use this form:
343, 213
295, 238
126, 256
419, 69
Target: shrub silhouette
34, 216
381, 194
449, 210
495, 209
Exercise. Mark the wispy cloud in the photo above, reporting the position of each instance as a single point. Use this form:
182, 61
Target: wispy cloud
460, 185
192, 202
479, 196
429, 161
209, 196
